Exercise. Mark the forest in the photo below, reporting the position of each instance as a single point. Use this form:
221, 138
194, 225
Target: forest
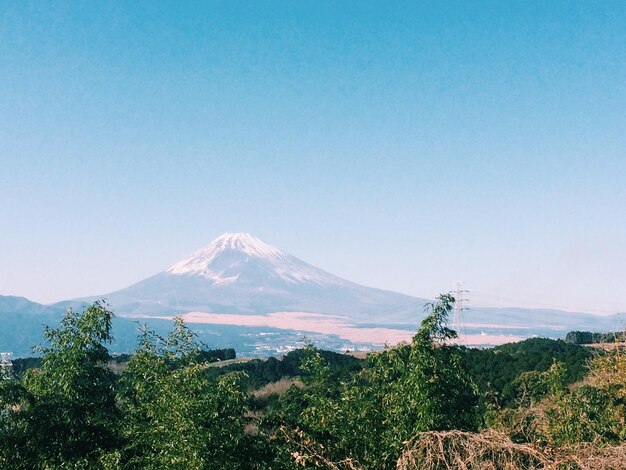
428, 404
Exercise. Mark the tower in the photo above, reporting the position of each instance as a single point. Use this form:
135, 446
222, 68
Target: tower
458, 324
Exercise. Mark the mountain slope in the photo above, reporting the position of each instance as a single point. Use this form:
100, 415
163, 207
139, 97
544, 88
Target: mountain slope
238, 273
21, 324
11, 305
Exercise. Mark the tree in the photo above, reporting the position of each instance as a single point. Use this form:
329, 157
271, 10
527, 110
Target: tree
404, 390
175, 415
64, 414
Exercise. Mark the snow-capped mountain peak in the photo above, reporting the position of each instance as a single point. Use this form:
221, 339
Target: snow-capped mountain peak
232, 244
238, 256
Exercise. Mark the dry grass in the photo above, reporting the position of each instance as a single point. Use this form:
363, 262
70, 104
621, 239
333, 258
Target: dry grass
609, 371
359, 354
277, 388
491, 450
591, 457
457, 450
607, 346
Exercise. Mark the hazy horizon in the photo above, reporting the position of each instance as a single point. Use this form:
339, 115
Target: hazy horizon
402, 147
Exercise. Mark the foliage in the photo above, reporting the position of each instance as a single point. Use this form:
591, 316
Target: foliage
593, 412
587, 337
21, 365
497, 371
163, 412
214, 355
64, 413
260, 372
543, 404
365, 419
174, 415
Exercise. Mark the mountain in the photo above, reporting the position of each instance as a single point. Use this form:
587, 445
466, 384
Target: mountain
21, 323
11, 305
240, 274
241, 292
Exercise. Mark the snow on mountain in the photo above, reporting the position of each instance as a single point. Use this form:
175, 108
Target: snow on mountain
224, 260
244, 243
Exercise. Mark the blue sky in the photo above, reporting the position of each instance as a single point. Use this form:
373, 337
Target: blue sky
400, 145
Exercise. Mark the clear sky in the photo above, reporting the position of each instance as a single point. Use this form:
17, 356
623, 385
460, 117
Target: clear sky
399, 145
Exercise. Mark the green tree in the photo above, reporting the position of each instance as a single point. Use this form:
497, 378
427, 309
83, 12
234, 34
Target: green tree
404, 390
175, 415
64, 414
